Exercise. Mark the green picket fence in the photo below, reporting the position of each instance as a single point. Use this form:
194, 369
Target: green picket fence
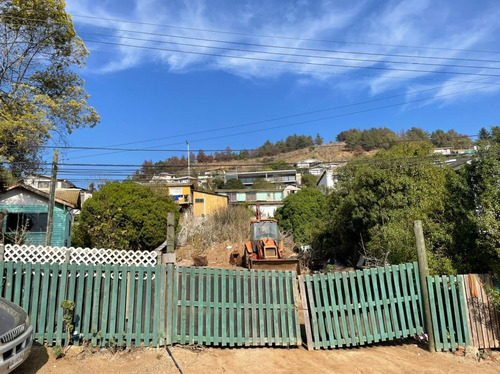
229, 307
120, 305
362, 307
156, 305
448, 312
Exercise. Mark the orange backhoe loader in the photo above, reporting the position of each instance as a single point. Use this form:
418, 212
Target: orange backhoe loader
264, 250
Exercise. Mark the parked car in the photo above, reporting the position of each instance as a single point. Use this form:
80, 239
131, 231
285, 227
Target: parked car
16, 336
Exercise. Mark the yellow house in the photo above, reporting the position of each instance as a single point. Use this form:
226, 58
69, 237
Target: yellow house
200, 203
205, 203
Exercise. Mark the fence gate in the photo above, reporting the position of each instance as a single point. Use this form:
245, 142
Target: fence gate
357, 308
227, 307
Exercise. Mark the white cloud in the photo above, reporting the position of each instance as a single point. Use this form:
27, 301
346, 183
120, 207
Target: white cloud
381, 28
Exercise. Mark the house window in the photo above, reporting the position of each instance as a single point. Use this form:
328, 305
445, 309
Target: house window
44, 184
27, 222
201, 201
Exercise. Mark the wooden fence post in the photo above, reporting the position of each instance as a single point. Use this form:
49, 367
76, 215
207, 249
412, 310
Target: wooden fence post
423, 270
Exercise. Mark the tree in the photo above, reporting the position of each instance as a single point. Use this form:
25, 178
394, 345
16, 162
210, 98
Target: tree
303, 214
262, 184
124, 216
309, 180
318, 140
416, 134
375, 203
40, 93
234, 184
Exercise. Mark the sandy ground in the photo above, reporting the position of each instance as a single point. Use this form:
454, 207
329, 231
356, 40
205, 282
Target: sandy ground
407, 358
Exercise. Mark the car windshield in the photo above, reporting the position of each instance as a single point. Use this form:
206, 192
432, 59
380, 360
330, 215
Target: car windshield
265, 229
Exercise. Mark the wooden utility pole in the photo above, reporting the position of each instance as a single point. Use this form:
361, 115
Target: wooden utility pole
52, 199
423, 270
189, 159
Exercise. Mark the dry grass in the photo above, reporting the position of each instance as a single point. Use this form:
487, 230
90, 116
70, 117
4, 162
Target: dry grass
218, 235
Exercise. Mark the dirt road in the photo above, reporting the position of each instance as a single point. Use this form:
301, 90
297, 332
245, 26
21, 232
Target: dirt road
407, 358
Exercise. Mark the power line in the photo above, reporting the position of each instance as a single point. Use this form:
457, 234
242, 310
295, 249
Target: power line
259, 44
292, 62
284, 37
321, 119
294, 115
292, 54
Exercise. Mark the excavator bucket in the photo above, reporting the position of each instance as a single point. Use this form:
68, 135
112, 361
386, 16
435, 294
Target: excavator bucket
283, 264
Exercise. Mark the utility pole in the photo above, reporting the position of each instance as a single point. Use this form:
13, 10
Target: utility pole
189, 162
52, 198
423, 270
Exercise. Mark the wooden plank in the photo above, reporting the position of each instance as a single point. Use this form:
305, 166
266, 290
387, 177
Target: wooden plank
355, 304
217, 279
131, 307
253, 296
364, 308
493, 313
34, 311
201, 305
338, 340
482, 300
248, 310
418, 323
121, 330
419, 293
209, 306
79, 301
89, 287
138, 306
275, 305
44, 302
282, 306
96, 304
18, 282
327, 311
147, 337
268, 310
223, 306
53, 273
239, 307
464, 310
183, 311
386, 305
349, 306
3, 276
455, 289
449, 317
231, 309
396, 277
392, 302
434, 314
105, 315
175, 303
261, 303
192, 304
342, 310
313, 311
27, 286
61, 296
112, 330
10, 280
305, 311
379, 321
441, 312
289, 306
407, 300
373, 325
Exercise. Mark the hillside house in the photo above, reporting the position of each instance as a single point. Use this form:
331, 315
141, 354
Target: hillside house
196, 202
307, 164
25, 211
281, 178
268, 200
327, 180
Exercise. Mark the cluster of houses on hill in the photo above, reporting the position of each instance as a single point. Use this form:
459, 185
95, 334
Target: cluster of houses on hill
24, 206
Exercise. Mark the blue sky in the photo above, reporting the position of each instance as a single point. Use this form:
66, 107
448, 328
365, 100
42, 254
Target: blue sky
159, 95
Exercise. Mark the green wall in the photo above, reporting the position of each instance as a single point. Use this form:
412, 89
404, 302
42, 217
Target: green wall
61, 233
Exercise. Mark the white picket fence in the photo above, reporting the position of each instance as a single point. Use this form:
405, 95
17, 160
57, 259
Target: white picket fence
87, 256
